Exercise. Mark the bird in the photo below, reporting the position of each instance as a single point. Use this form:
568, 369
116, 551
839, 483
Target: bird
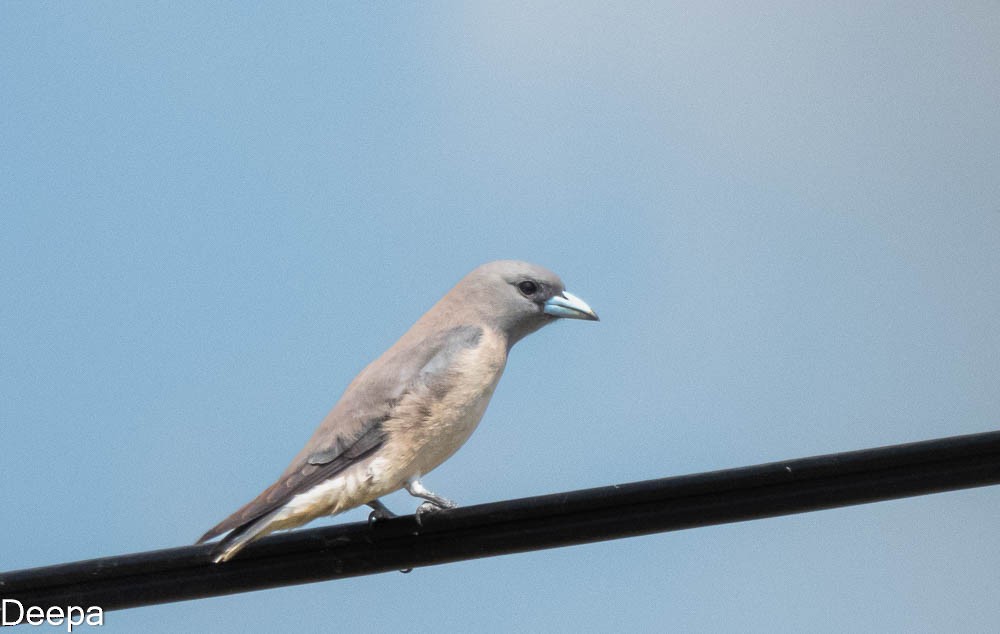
410, 409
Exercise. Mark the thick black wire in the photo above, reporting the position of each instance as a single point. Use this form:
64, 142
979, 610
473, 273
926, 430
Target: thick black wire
561, 519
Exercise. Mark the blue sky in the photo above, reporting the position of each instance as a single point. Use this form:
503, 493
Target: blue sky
786, 214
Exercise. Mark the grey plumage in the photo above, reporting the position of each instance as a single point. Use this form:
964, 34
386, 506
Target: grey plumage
411, 408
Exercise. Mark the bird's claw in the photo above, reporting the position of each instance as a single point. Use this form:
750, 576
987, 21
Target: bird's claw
379, 512
432, 507
377, 516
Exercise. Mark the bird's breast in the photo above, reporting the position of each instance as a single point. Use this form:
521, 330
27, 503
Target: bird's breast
430, 424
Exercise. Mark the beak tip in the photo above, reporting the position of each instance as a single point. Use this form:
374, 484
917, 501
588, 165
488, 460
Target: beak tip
570, 306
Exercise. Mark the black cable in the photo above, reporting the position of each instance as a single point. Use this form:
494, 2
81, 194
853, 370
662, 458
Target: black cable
547, 521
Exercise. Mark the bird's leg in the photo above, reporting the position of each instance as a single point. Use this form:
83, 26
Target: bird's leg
434, 502
381, 511
416, 489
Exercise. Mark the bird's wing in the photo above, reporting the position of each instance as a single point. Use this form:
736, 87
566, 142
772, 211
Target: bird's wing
353, 430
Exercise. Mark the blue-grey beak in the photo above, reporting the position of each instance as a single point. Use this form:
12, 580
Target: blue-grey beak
569, 306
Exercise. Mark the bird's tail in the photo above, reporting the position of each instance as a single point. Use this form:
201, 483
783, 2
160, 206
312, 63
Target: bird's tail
236, 540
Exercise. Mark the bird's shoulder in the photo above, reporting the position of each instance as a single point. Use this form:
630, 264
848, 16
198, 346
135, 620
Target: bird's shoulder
429, 364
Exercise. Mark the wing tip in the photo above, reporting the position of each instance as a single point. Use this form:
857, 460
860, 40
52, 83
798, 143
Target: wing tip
230, 544
211, 534
233, 522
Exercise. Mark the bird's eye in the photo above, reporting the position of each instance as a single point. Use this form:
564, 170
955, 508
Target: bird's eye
528, 287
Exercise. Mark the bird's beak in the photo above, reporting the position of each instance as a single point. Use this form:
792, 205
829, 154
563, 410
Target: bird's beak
569, 306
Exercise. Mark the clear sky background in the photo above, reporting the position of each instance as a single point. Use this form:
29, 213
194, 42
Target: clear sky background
787, 216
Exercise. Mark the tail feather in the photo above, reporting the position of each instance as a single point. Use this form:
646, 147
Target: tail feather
212, 533
245, 516
236, 540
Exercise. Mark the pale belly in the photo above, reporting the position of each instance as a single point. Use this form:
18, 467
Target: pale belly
424, 432
428, 431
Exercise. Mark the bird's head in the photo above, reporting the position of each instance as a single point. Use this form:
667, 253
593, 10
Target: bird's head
518, 298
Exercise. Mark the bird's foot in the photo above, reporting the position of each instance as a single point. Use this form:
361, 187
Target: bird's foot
434, 501
379, 512
432, 507
377, 516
